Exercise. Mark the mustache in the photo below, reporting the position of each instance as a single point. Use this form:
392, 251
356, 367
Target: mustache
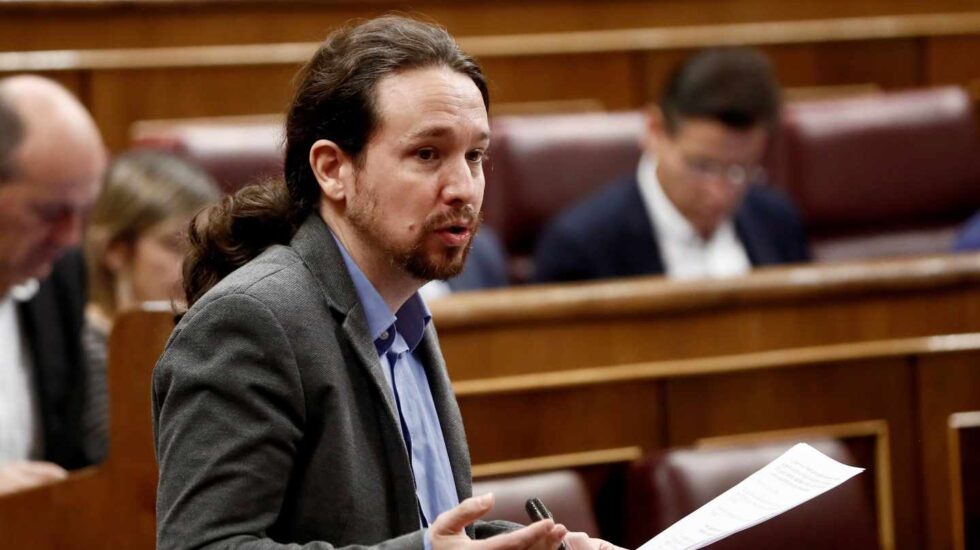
465, 216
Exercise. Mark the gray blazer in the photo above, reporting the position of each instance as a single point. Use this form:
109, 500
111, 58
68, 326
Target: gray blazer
273, 419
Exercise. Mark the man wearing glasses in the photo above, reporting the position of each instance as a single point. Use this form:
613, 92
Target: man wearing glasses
697, 205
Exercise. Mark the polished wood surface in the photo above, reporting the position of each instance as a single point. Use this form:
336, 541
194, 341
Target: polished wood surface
42, 25
625, 66
539, 329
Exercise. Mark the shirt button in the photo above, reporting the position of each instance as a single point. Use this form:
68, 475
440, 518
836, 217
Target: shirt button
384, 335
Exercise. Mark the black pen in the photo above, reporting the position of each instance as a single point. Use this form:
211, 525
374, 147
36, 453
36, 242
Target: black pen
537, 511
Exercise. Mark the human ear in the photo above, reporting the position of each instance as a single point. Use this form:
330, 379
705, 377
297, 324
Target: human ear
656, 128
331, 167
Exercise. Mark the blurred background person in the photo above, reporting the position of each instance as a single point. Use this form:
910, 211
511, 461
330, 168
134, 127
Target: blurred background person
134, 249
695, 206
51, 164
968, 238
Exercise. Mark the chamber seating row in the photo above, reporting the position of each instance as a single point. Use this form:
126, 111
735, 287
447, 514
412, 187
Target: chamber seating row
633, 502
899, 408
882, 175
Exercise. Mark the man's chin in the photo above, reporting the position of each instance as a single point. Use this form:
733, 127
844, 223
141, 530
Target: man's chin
439, 265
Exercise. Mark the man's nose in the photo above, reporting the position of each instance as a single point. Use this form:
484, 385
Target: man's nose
462, 182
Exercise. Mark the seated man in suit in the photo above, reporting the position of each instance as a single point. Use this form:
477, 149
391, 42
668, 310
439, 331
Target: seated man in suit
694, 207
51, 162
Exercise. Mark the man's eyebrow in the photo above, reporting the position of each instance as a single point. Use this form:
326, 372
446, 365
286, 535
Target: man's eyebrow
441, 131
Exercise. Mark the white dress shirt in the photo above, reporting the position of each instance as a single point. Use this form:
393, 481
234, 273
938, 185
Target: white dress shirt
686, 255
20, 437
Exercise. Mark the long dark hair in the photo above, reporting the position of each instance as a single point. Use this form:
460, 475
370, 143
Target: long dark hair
335, 100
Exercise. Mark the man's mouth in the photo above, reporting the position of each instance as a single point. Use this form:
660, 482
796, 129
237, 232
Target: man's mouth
455, 235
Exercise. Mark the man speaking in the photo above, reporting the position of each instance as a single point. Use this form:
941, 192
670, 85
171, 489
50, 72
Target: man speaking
303, 399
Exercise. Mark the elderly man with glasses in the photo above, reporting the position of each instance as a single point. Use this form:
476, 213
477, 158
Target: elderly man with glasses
697, 205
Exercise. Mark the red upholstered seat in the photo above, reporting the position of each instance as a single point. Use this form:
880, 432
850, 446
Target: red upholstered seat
236, 151
541, 164
667, 486
873, 176
563, 492
881, 175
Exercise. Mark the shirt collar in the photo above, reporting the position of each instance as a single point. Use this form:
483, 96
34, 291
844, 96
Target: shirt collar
410, 320
667, 220
23, 292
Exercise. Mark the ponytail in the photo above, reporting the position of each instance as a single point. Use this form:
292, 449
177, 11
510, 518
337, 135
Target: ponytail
226, 236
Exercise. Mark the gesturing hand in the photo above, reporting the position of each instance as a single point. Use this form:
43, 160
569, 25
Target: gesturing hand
446, 532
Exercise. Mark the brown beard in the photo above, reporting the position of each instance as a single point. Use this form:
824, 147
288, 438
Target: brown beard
419, 265
415, 260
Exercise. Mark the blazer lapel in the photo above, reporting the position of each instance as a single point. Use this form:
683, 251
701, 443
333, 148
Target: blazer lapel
755, 236
52, 325
315, 245
640, 251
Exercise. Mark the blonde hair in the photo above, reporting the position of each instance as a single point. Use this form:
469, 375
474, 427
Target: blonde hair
141, 189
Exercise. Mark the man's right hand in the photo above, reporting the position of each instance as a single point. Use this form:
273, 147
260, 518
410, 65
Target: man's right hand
17, 476
447, 531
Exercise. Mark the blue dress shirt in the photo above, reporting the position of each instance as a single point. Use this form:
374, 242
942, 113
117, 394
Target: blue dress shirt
395, 338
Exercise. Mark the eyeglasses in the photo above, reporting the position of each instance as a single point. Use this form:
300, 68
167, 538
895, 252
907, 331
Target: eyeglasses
736, 174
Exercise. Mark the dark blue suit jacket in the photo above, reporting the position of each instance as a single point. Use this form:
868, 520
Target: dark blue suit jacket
969, 237
611, 235
52, 323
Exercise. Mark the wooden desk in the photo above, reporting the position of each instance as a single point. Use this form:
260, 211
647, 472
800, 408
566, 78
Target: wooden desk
563, 327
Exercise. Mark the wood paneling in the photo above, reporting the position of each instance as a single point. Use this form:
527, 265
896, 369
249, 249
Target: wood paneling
613, 69
909, 387
952, 59
121, 97
40, 25
529, 430
609, 79
487, 334
948, 385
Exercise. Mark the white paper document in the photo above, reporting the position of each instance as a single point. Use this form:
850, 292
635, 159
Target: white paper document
798, 475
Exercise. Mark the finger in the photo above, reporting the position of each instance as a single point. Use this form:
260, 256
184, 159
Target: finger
43, 470
23, 475
578, 541
599, 544
539, 534
453, 521
553, 539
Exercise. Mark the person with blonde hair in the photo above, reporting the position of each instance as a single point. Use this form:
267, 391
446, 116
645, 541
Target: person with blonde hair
134, 248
